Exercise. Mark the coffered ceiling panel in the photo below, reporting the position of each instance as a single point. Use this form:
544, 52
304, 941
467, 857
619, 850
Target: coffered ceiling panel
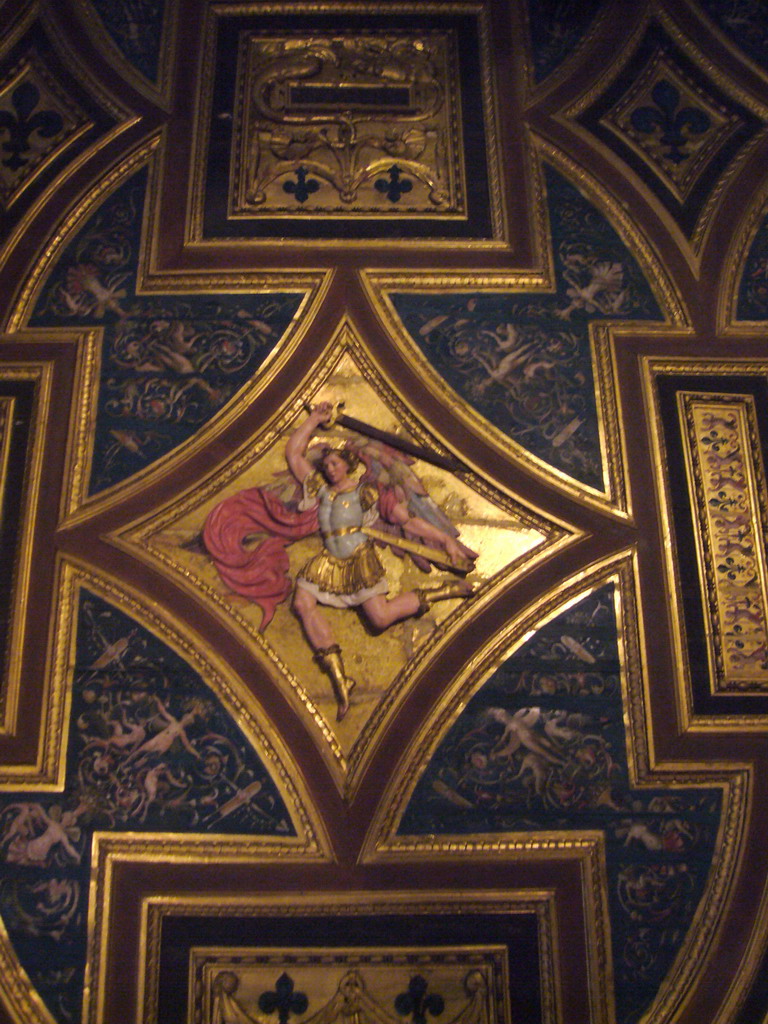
383, 511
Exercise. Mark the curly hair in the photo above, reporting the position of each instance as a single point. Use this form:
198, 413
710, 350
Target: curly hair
350, 457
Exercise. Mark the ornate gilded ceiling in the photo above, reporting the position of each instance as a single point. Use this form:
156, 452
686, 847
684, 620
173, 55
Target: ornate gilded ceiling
384, 592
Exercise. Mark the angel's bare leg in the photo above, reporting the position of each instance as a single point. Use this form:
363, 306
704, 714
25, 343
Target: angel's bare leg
382, 612
316, 626
327, 653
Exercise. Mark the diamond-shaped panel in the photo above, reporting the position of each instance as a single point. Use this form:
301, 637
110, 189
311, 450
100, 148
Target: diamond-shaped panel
672, 124
37, 121
48, 118
242, 538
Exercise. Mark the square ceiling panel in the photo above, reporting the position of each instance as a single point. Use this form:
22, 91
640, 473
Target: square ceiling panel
323, 124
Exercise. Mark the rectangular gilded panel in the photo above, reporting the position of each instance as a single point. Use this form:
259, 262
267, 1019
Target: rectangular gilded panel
711, 430
381, 984
348, 125
725, 475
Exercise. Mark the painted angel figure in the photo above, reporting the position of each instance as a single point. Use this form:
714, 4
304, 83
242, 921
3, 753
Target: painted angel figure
348, 513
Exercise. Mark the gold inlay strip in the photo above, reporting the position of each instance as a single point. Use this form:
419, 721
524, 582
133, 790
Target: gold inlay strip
7, 406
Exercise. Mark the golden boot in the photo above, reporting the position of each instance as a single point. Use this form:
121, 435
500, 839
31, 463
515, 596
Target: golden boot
442, 592
329, 659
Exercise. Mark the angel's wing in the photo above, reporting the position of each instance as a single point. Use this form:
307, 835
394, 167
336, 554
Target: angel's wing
392, 473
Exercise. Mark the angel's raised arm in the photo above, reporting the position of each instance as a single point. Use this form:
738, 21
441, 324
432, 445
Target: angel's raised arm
297, 443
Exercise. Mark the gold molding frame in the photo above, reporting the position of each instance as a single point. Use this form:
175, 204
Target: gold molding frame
76, 504
667, 292
71, 221
124, 120
235, 697
472, 980
603, 334
691, 249
311, 842
80, 123
155, 92
439, 169
569, 64
735, 416
734, 266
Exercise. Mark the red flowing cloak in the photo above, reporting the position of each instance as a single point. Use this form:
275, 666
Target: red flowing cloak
260, 572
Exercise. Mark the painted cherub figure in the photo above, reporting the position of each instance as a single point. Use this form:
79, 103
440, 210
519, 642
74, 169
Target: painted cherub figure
347, 573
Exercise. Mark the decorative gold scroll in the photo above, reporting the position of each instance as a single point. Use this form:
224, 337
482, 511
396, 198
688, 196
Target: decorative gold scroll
730, 503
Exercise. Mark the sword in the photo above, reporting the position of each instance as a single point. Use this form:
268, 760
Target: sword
431, 554
393, 440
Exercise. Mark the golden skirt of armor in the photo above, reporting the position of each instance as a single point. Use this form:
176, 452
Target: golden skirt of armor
345, 575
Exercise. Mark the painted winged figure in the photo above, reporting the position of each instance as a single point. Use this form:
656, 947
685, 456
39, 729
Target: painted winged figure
354, 514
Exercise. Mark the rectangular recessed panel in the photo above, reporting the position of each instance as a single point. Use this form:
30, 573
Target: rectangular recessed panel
373, 123
714, 425
374, 960
16, 410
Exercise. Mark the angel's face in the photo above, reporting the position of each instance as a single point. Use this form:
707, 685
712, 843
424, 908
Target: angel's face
335, 468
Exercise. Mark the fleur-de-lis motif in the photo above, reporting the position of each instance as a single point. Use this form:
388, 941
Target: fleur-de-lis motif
417, 1003
283, 999
24, 123
395, 187
303, 187
676, 124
